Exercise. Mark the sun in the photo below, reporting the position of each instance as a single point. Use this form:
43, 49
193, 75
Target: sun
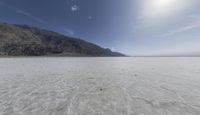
162, 3
162, 6
159, 10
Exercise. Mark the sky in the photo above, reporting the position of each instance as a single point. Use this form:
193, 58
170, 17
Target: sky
133, 27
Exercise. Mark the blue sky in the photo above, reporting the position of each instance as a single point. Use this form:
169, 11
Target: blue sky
134, 27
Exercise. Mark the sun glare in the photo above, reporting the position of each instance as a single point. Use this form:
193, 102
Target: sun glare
161, 10
162, 3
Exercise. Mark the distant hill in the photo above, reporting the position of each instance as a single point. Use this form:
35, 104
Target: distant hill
23, 40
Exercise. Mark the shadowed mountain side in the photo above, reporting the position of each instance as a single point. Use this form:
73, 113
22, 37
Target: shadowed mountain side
23, 40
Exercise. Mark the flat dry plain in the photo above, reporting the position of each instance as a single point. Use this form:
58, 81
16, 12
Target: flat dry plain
100, 86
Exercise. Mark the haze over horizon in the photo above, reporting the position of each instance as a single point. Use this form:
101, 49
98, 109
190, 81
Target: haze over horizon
133, 27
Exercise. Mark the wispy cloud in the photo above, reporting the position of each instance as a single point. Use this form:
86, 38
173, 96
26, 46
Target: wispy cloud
75, 8
73, 5
22, 12
140, 26
19, 11
69, 31
183, 29
5, 5
34, 18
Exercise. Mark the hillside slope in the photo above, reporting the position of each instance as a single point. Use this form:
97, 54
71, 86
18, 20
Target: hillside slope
23, 40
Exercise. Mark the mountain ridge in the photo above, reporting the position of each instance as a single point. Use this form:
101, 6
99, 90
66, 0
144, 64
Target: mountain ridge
25, 40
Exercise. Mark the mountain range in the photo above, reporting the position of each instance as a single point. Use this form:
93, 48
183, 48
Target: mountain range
25, 40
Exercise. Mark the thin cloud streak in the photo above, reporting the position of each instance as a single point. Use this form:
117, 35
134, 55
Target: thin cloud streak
68, 31
22, 12
183, 29
19, 11
34, 18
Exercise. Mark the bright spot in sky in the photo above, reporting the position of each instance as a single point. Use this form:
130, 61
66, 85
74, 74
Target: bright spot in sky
162, 3
90, 17
162, 10
74, 8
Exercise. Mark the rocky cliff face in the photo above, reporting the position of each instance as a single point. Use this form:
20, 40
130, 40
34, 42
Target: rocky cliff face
23, 40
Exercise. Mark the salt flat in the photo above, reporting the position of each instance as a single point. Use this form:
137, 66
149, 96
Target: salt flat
100, 86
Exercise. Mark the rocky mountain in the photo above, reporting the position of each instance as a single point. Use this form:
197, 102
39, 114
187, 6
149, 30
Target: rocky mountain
23, 40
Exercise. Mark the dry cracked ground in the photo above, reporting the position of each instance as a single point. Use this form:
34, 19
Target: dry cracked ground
99, 86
